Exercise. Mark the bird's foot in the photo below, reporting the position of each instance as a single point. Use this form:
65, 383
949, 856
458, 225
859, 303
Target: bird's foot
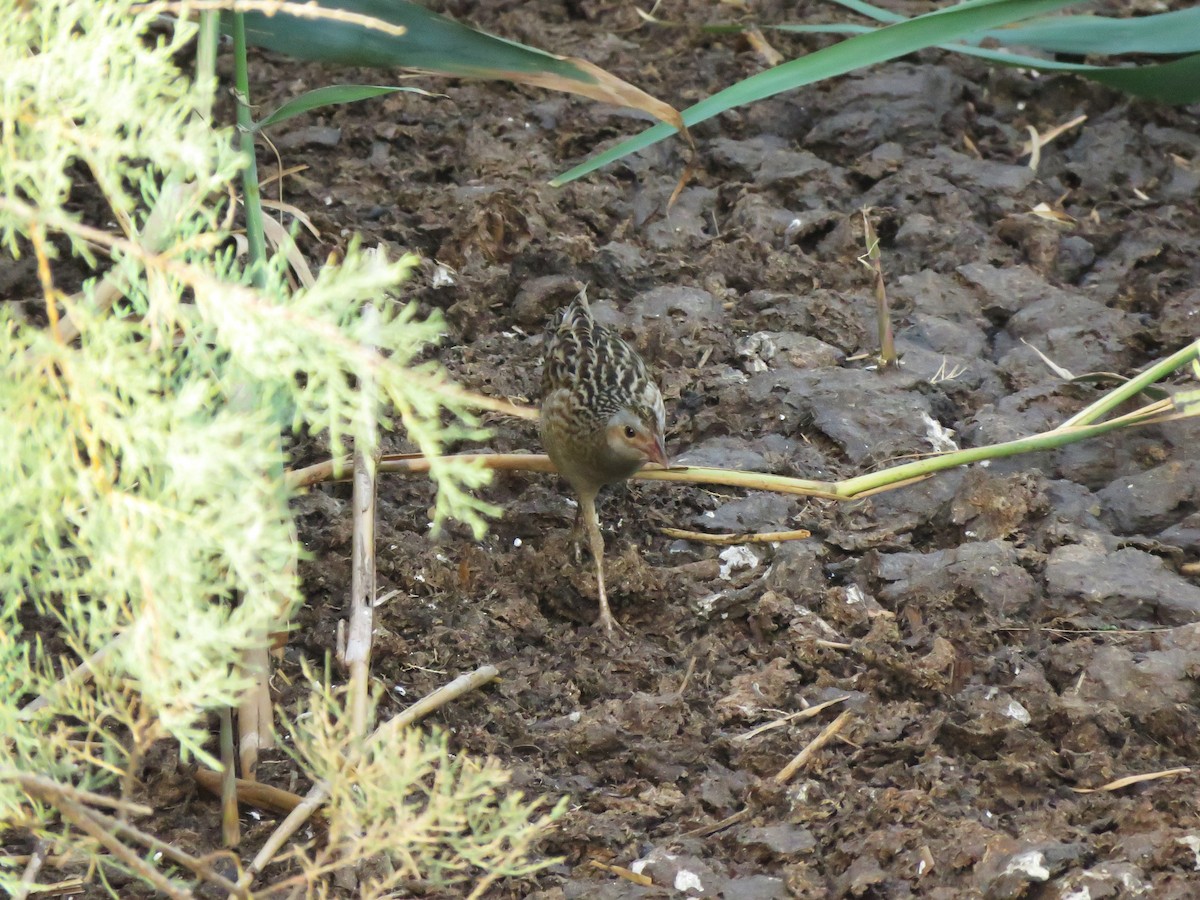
612, 628
606, 620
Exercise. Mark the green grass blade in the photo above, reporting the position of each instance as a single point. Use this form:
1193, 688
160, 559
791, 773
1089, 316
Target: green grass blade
330, 96
1176, 82
871, 12
1162, 34
878, 46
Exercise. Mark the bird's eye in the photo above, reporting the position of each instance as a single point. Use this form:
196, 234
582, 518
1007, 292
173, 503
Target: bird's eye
629, 432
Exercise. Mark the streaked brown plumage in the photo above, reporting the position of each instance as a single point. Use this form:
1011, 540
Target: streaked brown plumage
602, 416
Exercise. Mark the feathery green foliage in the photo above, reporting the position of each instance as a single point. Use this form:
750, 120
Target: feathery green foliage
439, 817
141, 463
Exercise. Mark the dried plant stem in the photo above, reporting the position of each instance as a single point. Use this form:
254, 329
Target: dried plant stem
86, 821
801, 759
873, 260
253, 793
1134, 779
432, 702
76, 805
196, 864
29, 877
313, 800
790, 717
48, 789
254, 712
231, 832
706, 830
1080, 427
758, 537
362, 558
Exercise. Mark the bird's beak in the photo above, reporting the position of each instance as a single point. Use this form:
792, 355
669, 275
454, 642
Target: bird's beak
656, 451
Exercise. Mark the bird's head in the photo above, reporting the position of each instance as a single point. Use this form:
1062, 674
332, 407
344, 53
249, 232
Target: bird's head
634, 436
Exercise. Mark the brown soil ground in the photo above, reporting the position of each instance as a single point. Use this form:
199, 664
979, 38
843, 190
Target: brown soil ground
1001, 637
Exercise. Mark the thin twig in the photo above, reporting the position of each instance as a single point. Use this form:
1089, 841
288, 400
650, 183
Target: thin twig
314, 800
29, 877
753, 537
231, 832
801, 759
83, 819
41, 786
622, 872
687, 676
416, 464
362, 558
706, 830
1067, 632
196, 864
1134, 779
70, 801
791, 717
432, 702
253, 793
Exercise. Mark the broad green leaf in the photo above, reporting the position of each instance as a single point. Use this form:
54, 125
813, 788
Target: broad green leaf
330, 96
878, 46
402, 34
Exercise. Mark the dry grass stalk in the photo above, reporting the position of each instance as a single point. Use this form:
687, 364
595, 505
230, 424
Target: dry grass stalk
801, 759
791, 717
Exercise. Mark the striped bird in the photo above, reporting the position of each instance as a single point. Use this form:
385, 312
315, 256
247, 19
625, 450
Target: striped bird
602, 416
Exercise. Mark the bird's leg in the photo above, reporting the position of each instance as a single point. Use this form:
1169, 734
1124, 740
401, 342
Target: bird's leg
587, 507
577, 533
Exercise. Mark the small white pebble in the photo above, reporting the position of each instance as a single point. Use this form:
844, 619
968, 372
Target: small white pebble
1192, 842
688, 881
1015, 710
738, 557
1031, 863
